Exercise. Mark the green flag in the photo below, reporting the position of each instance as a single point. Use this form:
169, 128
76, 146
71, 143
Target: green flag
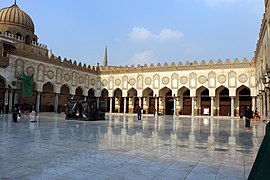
27, 84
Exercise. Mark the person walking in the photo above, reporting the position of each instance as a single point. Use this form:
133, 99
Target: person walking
139, 113
248, 115
15, 112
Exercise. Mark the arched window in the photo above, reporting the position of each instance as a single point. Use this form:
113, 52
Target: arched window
27, 39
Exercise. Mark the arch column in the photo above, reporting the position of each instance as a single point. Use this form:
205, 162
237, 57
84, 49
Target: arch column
6, 101
264, 104
192, 105
253, 103
38, 101
174, 106
232, 106
98, 99
111, 103
10, 100
125, 105
156, 105
212, 106
56, 102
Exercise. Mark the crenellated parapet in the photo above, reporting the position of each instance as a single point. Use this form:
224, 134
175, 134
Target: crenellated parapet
228, 64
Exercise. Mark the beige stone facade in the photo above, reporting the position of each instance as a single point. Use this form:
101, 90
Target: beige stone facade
215, 89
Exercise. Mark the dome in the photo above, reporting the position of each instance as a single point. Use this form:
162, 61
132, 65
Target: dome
16, 17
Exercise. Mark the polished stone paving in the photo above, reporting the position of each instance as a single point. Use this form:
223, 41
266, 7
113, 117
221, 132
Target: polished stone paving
122, 148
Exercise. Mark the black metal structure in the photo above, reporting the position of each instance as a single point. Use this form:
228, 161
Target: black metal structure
83, 110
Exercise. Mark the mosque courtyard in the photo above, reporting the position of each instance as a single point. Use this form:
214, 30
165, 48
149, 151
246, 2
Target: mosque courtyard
121, 147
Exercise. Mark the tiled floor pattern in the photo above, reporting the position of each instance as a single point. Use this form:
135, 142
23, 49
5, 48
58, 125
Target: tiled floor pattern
123, 148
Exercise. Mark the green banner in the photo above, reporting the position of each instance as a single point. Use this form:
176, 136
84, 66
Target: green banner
27, 85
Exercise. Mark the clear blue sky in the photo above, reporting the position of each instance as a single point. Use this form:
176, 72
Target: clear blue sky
146, 31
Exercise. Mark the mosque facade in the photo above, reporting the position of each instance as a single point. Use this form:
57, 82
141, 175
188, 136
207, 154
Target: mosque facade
223, 88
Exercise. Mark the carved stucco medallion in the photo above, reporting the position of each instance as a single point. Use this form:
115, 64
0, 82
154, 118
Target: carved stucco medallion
30, 70
67, 77
93, 82
165, 80
81, 80
202, 79
117, 82
132, 81
148, 81
184, 80
104, 82
243, 78
221, 78
50, 74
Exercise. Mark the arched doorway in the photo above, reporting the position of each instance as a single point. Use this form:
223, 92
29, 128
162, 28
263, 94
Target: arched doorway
104, 103
245, 99
91, 94
133, 101
166, 101
205, 101
224, 108
118, 101
47, 98
63, 97
79, 94
148, 104
185, 101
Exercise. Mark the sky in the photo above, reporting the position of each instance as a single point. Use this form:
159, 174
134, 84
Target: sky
146, 31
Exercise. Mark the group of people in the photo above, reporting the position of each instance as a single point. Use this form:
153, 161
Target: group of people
26, 113
248, 113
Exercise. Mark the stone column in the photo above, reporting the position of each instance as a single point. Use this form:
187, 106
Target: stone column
174, 106
56, 101
260, 104
140, 101
212, 106
125, 105
232, 106
98, 102
38, 101
6, 101
156, 105
253, 103
72, 97
10, 100
16, 97
110, 104
85, 98
192, 106
264, 105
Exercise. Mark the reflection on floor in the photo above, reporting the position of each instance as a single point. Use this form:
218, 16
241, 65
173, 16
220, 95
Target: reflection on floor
121, 147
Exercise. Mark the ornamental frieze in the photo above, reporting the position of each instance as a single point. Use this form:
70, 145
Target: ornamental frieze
117, 82
104, 82
93, 82
81, 80
243, 78
66, 77
221, 79
50, 74
148, 81
165, 80
30, 70
132, 81
202, 79
184, 80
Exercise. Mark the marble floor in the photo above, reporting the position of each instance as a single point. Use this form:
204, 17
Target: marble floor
122, 148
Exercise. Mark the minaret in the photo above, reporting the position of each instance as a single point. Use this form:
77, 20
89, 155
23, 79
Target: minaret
105, 57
